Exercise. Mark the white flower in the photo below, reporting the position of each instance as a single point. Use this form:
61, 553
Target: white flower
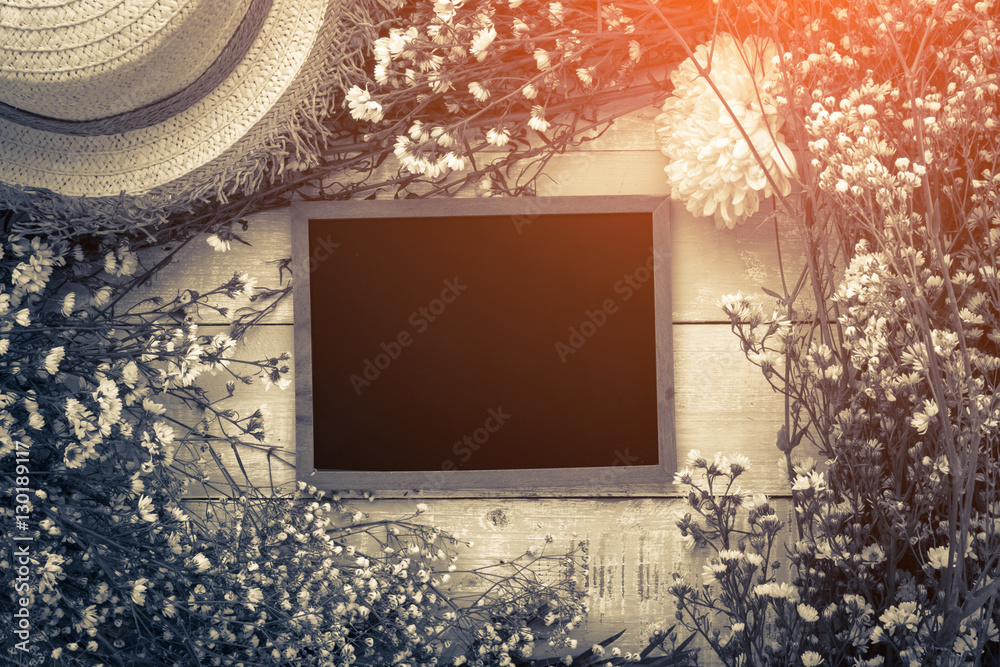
542, 59
556, 12
921, 420
497, 136
813, 480
438, 83
23, 317
529, 91
634, 50
937, 557
128, 261
200, 562
453, 161
247, 285
811, 659
537, 121
68, 302
219, 245
363, 107
417, 132
903, 615
481, 43
445, 9
479, 91
145, 509
782, 590
713, 168
586, 75
53, 358
101, 296
139, 591
808, 613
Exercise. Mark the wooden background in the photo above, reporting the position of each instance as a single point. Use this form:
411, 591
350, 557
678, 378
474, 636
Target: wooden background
722, 403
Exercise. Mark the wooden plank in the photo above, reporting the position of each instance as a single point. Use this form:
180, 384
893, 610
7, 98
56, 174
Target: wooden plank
279, 407
708, 263
634, 549
725, 405
635, 131
198, 267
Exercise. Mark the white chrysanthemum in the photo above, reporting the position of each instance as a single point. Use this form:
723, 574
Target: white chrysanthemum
479, 91
68, 303
713, 169
53, 359
537, 121
481, 43
363, 107
218, 244
497, 136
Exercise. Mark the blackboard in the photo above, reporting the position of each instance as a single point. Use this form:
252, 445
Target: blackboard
452, 339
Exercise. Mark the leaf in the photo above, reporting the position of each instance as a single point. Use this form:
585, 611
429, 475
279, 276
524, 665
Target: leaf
773, 294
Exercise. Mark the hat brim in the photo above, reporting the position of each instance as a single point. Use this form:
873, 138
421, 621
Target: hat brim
215, 146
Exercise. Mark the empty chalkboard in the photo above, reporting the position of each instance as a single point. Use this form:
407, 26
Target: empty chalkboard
451, 339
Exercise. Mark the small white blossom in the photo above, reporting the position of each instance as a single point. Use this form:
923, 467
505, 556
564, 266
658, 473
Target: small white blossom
481, 43
479, 91
218, 244
68, 302
811, 659
53, 359
937, 557
363, 107
807, 613
101, 296
542, 60
537, 121
497, 136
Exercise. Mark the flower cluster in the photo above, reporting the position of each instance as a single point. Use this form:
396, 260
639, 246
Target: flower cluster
145, 548
451, 78
84, 388
743, 532
889, 356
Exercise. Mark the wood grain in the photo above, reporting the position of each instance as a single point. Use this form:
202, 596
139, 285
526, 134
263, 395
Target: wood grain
634, 545
198, 267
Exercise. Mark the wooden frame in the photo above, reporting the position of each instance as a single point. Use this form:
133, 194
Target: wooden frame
616, 480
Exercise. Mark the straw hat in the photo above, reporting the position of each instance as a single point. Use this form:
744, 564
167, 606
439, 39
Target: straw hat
166, 101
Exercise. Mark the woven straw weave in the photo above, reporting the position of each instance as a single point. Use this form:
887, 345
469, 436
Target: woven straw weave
230, 141
83, 60
138, 160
